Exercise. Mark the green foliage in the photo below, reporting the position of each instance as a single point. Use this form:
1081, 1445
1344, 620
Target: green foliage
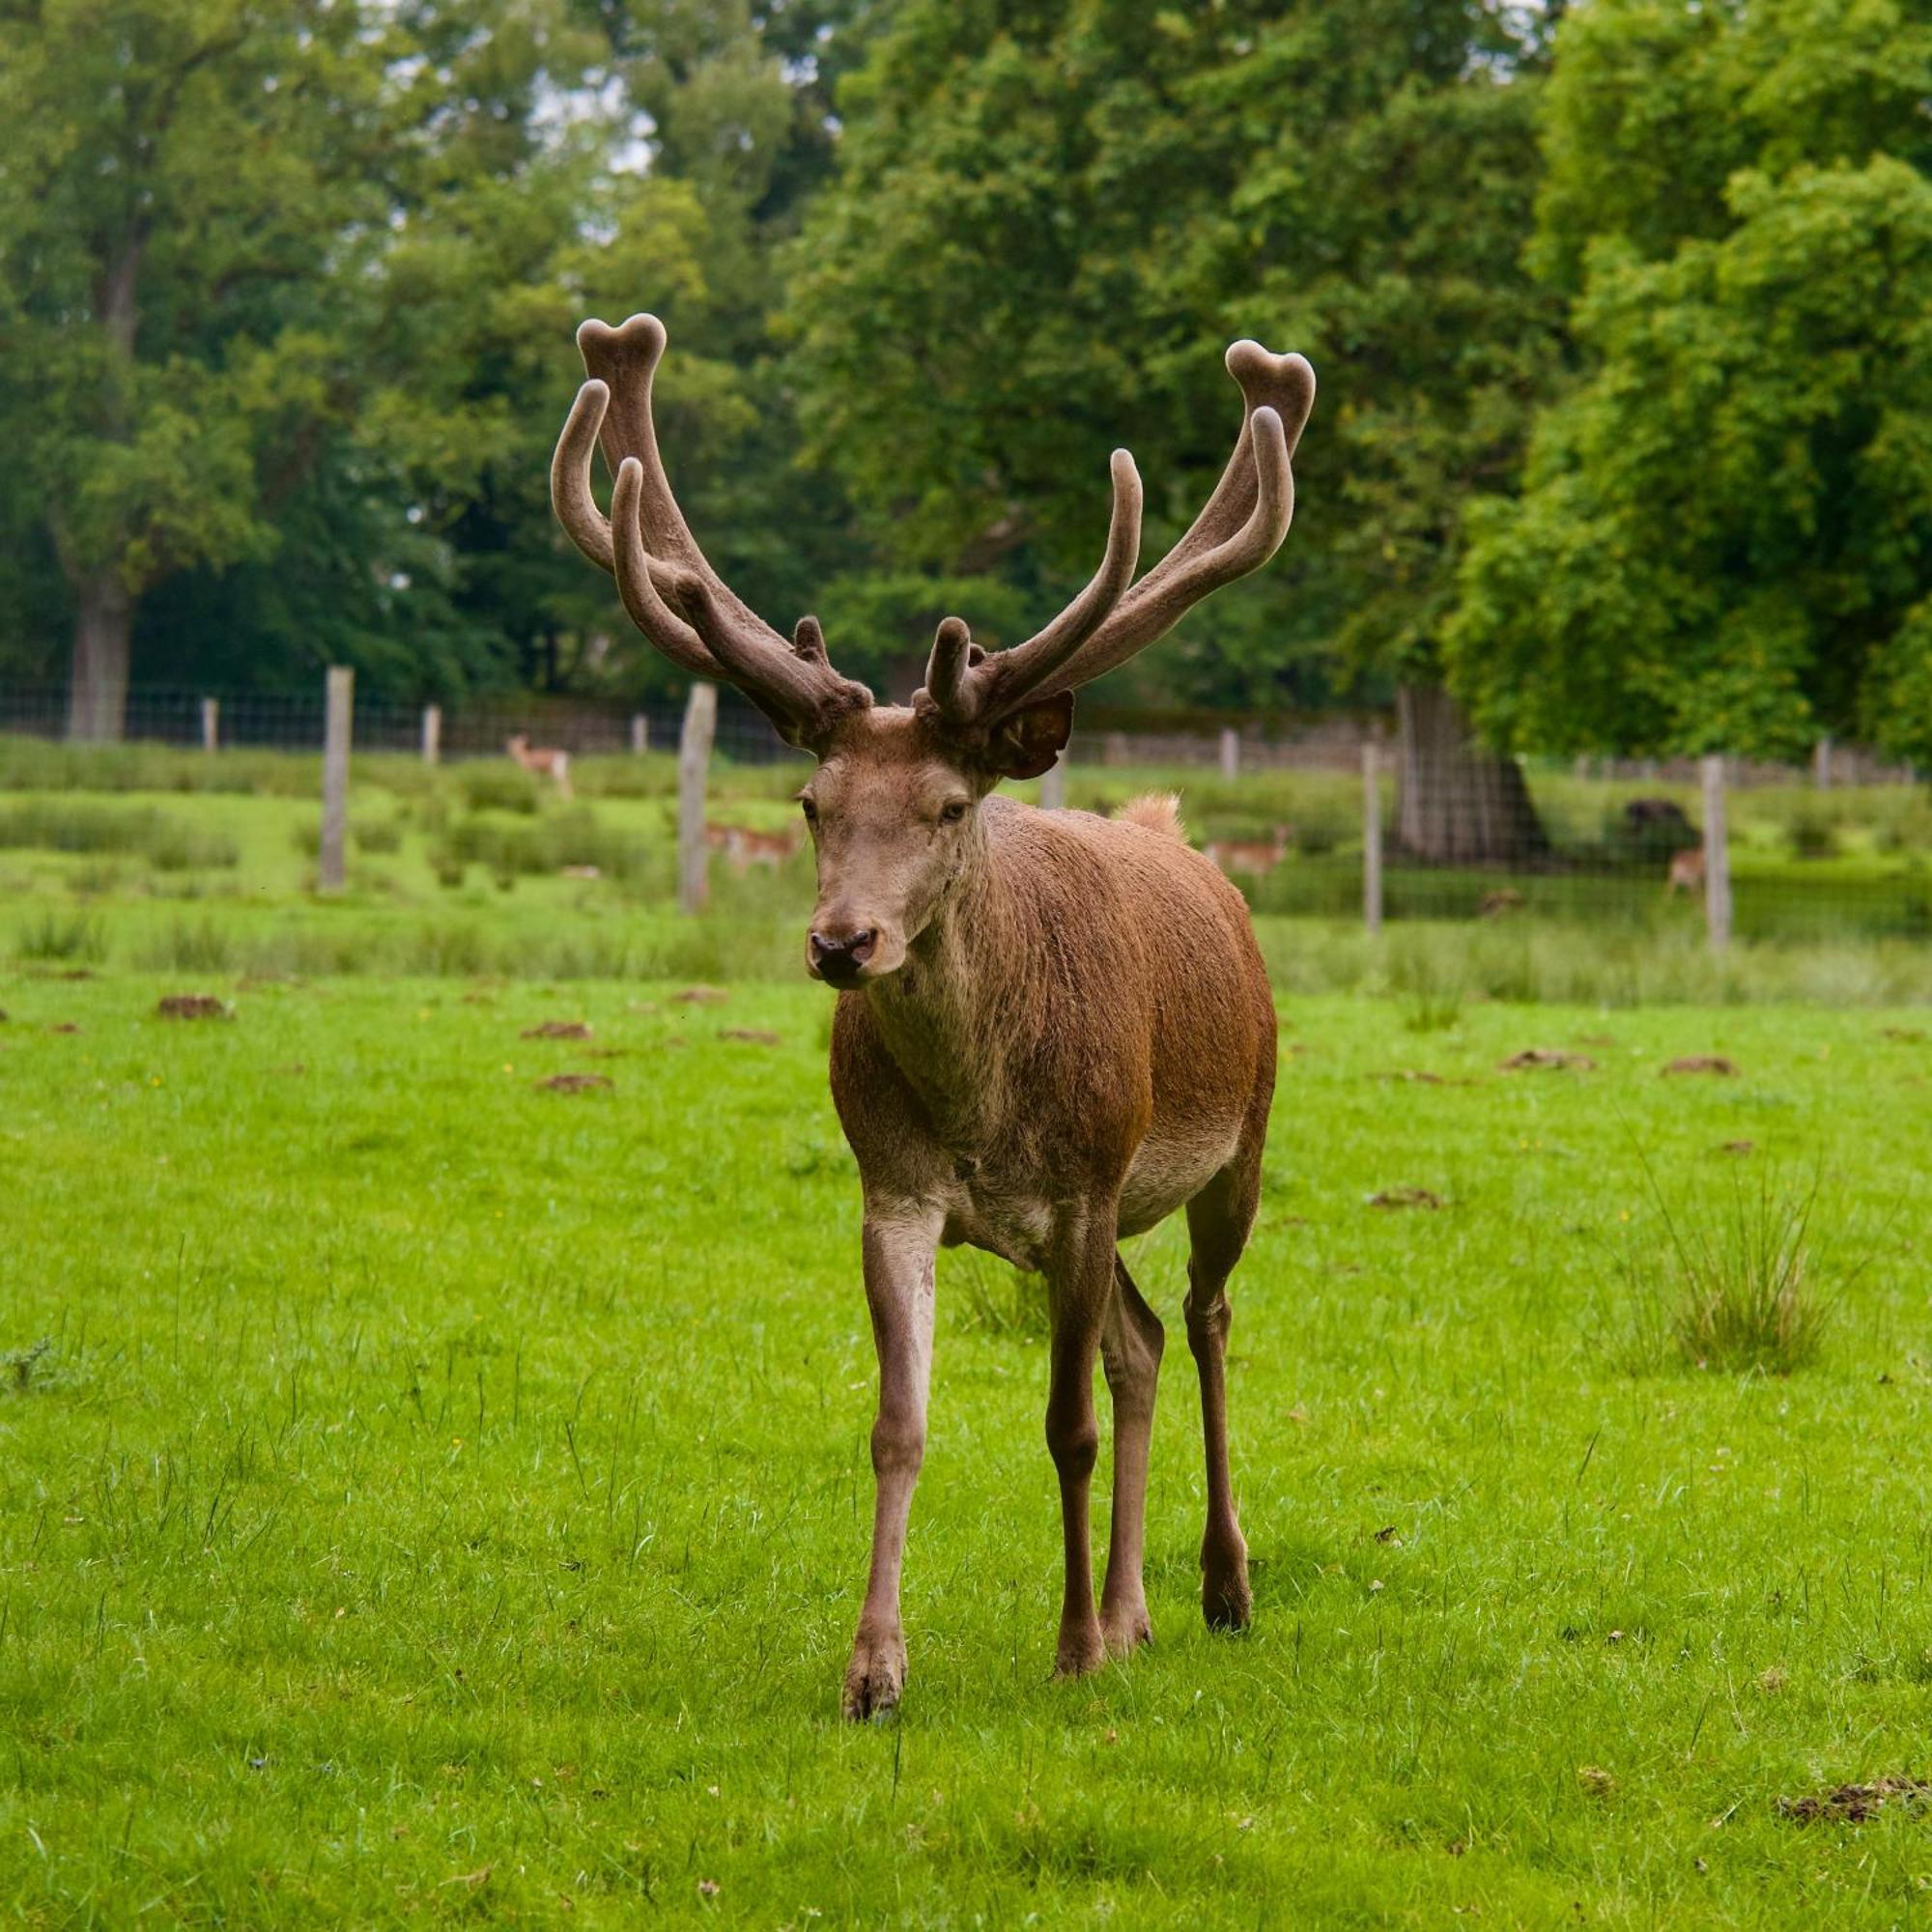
1049, 220
1724, 540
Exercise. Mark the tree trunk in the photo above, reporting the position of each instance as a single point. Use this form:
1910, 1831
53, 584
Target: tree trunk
103, 623
1460, 805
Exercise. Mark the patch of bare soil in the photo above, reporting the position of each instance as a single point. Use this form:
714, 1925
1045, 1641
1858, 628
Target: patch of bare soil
1739, 1146
1910, 1035
192, 1006
64, 1026
1406, 1197
609, 1052
751, 1035
558, 1029
1533, 1058
1854, 1803
574, 1083
701, 996
77, 973
1703, 1063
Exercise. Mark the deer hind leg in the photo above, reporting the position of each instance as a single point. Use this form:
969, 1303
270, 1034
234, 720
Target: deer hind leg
1081, 1280
1130, 1346
1218, 1221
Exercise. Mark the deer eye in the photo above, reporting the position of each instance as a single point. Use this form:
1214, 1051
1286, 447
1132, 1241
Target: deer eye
811, 811
952, 812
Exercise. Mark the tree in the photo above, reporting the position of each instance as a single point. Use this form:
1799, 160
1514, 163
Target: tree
1048, 218
1725, 537
270, 272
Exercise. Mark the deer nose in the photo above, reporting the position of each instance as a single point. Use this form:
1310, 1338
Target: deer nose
840, 956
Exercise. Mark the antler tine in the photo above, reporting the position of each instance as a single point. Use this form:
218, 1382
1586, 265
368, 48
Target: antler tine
651, 614
667, 585
964, 693
1239, 528
570, 493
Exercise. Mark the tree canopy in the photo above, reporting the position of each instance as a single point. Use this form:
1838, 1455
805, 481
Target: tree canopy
1050, 218
1724, 538
1619, 315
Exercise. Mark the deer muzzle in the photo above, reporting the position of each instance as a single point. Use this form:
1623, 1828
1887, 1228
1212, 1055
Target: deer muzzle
840, 953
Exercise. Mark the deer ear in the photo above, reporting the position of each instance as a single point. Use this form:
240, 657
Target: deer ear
1031, 741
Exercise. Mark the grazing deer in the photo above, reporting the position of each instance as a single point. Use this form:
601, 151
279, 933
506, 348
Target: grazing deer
542, 761
1250, 855
1687, 871
743, 847
1053, 1030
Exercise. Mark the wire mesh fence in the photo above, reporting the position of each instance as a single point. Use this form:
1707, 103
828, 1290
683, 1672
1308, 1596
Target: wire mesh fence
476, 727
1836, 848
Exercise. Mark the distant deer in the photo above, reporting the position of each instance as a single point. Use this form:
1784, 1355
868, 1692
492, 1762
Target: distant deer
542, 761
743, 847
1250, 855
1053, 1030
1687, 871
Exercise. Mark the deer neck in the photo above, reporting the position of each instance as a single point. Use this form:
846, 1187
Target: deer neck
951, 1015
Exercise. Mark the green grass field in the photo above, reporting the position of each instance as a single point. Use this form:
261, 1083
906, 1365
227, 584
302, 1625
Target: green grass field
441, 1498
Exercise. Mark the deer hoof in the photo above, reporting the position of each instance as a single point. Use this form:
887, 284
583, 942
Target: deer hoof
1125, 1629
1082, 1651
875, 1677
1226, 1600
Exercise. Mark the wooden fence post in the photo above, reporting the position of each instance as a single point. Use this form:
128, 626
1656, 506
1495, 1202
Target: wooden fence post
641, 734
1371, 838
693, 759
341, 714
1717, 855
1821, 764
1230, 753
1053, 785
211, 723
432, 736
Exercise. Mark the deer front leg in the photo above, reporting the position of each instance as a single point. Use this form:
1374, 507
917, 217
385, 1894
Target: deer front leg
1082, 1283
899, 1248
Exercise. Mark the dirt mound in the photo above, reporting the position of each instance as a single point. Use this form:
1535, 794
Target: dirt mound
1548, 1057
558, 1029
193, 1006
1703, 1063
1406, 1197
574, 1083
1854, 1803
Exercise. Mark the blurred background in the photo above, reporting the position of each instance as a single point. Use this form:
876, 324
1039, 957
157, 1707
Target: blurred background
1621, 464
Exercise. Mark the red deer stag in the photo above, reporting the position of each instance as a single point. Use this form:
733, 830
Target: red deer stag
1053, 1030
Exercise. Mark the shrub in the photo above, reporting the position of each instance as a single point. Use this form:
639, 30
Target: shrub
1813, 835
188, 946
1735, 1285
495, 787
378, 834
76, 938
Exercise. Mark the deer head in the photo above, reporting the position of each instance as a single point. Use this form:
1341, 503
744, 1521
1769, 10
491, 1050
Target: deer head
894, 805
